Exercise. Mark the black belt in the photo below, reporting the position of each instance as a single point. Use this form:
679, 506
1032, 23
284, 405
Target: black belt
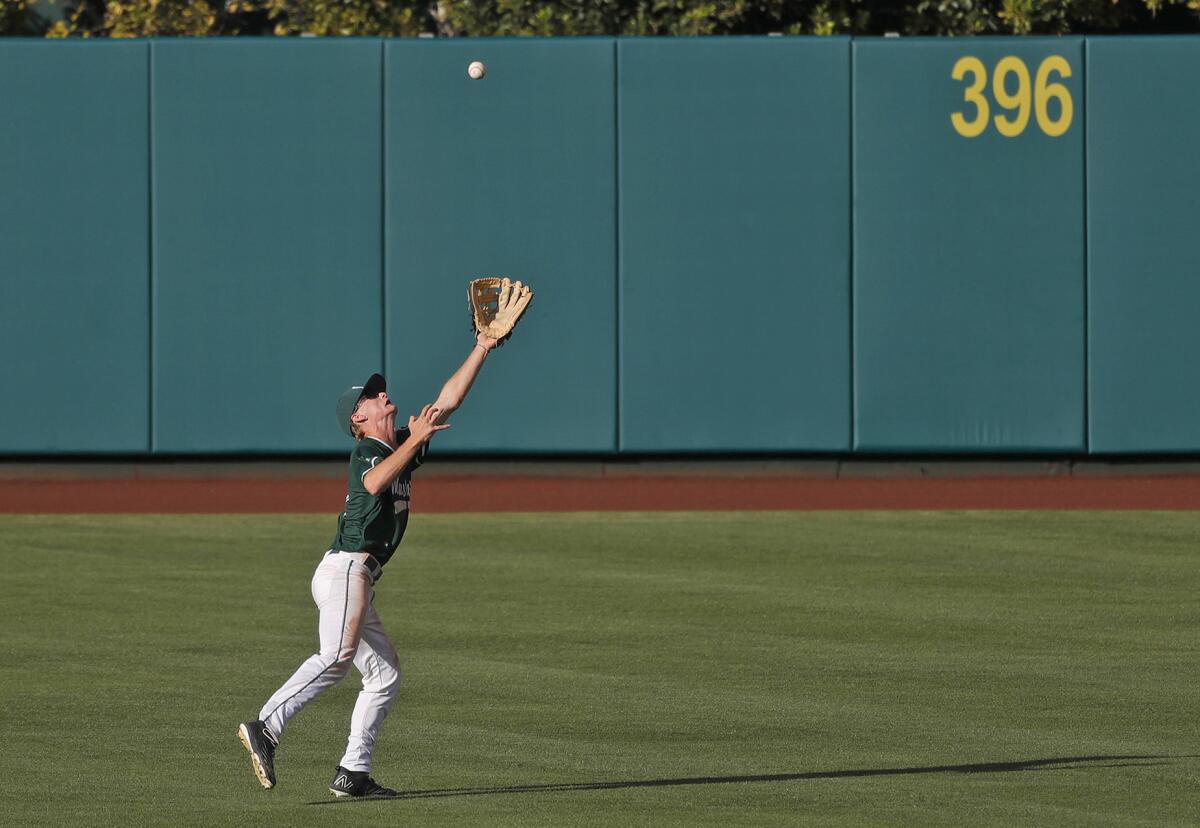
371, 563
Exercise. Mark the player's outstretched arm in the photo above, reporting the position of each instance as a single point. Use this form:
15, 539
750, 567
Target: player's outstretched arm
455, 390
421, 429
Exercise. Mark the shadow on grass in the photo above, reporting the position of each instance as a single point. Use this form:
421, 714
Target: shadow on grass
1063, 763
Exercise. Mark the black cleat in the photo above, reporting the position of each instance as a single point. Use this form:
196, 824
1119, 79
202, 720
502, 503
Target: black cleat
261, 744
357, 783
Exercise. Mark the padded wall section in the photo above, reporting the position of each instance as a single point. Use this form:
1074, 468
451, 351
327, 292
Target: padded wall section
735, 244
1143, 257
968, 251
267, 230
510, 175
74, 247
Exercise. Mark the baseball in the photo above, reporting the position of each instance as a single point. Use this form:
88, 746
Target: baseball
476, 69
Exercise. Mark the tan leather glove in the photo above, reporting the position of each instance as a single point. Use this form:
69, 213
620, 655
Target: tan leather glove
497, 305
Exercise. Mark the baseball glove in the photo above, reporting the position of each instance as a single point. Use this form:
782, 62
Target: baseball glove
497, 305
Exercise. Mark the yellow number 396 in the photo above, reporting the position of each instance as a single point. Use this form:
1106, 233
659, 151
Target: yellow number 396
1015, 103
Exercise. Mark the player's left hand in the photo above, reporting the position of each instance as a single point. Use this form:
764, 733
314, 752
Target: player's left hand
497, 305
484, 341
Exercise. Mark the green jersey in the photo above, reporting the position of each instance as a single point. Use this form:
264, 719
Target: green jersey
375, 523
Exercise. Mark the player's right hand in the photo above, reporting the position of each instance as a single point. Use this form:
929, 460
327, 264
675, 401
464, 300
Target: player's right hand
424, 425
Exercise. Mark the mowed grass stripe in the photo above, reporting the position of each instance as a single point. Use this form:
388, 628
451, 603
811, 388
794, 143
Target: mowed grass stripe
647, 669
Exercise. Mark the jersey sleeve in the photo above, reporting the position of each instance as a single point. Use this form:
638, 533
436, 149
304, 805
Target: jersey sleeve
366, 456
402, 434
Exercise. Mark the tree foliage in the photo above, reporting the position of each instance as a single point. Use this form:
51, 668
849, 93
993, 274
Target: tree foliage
477, 18
16, 18
150, 18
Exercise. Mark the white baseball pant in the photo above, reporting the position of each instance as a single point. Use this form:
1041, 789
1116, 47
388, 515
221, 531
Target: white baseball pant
351, 632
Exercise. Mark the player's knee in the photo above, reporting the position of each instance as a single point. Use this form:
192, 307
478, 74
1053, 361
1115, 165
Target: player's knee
341, 663
390, 679
386, 674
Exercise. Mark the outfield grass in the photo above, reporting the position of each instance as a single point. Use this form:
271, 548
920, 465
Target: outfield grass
576, 649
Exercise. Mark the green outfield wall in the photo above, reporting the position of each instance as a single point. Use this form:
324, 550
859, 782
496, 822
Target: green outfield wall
968, 249
74, 247
734, 244
1143, 209
267, 239
785, 245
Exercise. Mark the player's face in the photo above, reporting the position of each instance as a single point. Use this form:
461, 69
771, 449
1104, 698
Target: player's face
375, 408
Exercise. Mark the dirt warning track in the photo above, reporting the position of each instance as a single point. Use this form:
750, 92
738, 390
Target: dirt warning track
215, 493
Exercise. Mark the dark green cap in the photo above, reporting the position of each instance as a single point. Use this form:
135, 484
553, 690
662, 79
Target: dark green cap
351, 396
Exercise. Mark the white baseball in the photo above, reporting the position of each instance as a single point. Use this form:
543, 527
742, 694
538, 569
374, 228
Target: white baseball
476, 69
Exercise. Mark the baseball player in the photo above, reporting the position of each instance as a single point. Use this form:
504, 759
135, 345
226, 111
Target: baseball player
368, 532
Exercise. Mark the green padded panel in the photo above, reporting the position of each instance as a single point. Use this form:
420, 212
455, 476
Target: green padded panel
735, 244
267, 245
968, 255
509, 175
1143, 255
74, 247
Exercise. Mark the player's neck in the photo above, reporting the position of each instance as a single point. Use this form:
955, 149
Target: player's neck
384, 431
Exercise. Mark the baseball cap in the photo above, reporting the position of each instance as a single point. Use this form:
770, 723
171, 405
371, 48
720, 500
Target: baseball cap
351, 396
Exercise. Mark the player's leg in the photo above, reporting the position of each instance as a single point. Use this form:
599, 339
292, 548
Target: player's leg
380, 668
341, 588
